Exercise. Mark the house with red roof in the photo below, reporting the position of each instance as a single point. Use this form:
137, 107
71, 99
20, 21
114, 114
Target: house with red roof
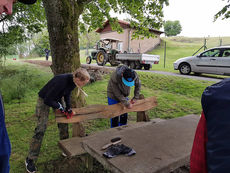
126, 43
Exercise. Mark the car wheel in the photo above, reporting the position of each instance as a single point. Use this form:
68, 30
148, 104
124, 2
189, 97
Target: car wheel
88, 59
185, 69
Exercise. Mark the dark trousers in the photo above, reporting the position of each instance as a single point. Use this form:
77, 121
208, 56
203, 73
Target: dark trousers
119, 120
4, 164
42, 112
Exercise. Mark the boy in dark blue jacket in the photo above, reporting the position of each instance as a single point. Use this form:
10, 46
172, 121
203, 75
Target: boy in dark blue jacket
51, 96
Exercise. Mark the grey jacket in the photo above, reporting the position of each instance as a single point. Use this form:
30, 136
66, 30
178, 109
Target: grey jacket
117, 90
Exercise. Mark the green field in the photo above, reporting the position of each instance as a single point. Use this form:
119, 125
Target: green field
20, 83
179, 47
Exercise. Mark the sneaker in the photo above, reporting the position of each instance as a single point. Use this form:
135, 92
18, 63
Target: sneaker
30, 167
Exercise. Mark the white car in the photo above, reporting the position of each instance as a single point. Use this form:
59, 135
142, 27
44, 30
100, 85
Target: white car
213, 61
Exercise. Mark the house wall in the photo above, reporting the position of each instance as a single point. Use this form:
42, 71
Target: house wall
141, 46
145, 45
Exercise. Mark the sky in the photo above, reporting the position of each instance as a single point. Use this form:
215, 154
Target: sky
196, 17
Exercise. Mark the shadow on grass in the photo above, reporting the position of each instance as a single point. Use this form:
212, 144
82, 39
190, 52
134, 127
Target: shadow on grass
70, 165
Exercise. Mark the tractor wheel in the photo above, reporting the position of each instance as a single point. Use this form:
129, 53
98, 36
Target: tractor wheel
88, 60
112, 60
101, 58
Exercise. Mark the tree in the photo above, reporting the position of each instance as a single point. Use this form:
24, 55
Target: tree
224, 12
21, 25
66, 17
172, 28
88, 39
41, 42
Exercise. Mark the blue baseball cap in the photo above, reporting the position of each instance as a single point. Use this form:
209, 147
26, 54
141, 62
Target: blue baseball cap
128, 77
127, 83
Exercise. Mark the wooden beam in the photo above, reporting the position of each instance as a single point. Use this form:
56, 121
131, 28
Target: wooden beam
106, 111
142, 115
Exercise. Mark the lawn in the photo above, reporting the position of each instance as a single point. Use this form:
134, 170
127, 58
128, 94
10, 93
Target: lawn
176, 97
179, 47
20, 83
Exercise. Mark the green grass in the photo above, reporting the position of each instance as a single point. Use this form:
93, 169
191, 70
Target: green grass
175, 96
82, 57
179, 47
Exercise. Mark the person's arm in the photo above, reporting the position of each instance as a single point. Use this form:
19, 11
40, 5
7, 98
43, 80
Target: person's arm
67, 100
50, 98
198, 159
119, 95
1, 110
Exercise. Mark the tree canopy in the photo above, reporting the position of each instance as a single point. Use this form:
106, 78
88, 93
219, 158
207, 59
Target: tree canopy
224, 12
172, 28
21, 25
66, 17
144, 14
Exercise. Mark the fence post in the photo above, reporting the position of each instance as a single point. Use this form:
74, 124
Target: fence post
165, 54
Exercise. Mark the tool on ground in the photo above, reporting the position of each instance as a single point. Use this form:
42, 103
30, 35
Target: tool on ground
114, 141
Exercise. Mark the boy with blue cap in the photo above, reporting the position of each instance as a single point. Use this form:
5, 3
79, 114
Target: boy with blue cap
118, 90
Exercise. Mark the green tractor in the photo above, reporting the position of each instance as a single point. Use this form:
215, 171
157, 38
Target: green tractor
106, 50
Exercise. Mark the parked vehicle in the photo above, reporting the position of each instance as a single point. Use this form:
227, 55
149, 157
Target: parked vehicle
107, 51
138, 60
214, 61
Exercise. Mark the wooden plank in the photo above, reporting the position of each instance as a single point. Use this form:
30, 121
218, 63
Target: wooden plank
107, 111
72, 146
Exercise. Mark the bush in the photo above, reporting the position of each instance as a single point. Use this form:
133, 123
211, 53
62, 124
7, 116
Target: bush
17, 83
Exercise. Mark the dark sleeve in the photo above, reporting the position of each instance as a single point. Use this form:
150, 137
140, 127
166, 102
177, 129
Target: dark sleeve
51, 95
67, 100
137, 88
2, 114
117, 93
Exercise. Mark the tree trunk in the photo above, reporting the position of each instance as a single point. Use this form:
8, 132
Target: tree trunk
62, 18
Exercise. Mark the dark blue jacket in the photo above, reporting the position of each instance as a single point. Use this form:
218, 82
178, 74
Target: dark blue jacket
58, 87
5, 148
216, 106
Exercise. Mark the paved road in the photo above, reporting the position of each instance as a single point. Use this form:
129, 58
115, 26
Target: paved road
201, 77
48, 63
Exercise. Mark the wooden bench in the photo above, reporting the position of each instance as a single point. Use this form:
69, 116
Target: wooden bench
73, 146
